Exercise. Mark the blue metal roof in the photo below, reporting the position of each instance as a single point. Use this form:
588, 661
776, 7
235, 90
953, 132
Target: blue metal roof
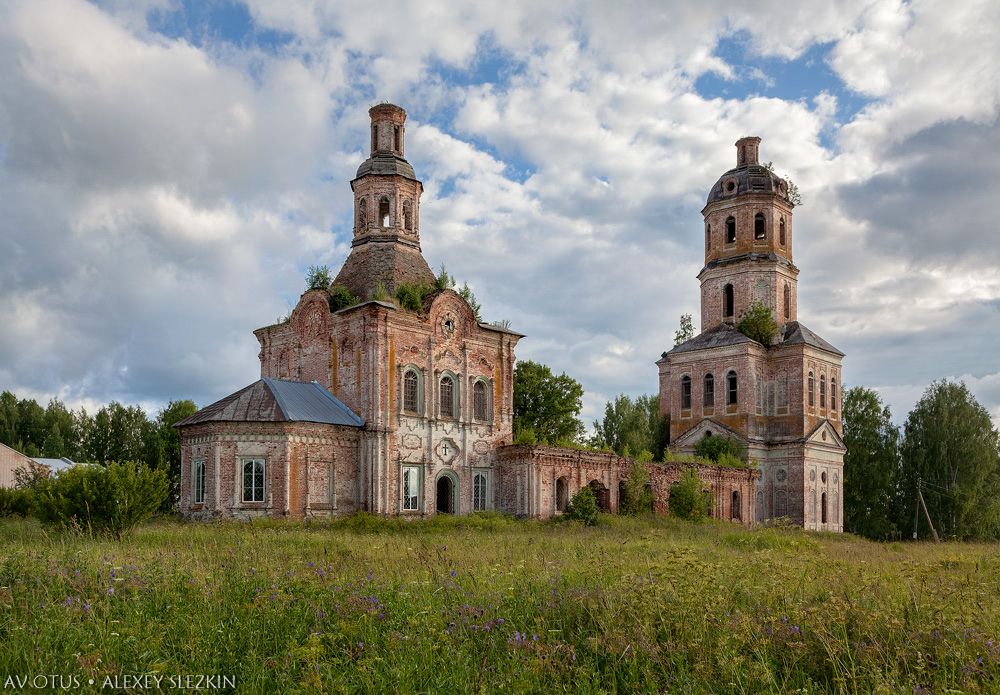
310, 402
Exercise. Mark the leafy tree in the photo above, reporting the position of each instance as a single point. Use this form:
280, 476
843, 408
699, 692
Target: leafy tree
629, 425
638, 497
871, 465
111, 499
31, 430
170, 439
341, 298
757, 323
714, 448
121, 433
8, 419
318, 277
688, 498
548, 405
951, 451
686, 330
583, 506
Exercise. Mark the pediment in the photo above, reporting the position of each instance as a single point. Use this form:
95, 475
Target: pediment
825, 434
706, 426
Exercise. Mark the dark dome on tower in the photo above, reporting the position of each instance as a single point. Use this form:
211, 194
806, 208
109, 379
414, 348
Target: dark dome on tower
749, 176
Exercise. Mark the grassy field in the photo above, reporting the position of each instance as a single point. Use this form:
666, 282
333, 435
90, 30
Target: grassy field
484, 604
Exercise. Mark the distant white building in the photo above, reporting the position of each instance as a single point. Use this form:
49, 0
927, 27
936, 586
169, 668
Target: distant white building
54, 465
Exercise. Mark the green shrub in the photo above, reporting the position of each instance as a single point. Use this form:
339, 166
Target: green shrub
110, 500
757, 323
526, 436
380, 293
341, 298
318, 277
688, 499
583, 507
411, 297
638, 496
15, 501
714, 448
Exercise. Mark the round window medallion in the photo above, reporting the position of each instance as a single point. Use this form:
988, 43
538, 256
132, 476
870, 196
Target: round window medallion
823, 477
780, 475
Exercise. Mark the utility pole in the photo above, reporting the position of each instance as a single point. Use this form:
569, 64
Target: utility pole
920, 496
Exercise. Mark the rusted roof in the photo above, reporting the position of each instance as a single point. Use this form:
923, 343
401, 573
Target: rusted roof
278, 400
720, 336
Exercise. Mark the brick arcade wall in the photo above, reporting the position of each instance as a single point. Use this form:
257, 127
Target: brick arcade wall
529, 475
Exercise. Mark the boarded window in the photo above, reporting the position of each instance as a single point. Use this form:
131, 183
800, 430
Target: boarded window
788, 301
408, 214
362, 214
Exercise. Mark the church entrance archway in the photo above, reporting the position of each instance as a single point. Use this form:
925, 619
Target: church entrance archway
446, 499
602, 494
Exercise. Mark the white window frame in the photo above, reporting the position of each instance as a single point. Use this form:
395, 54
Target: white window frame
263, 480
410, 498
198, 481
486, 497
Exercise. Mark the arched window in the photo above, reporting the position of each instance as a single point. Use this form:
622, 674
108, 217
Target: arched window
708, 237
732, 388
446, 397
781, 231
780, 503
562, 494
728, 302
479, 404
833, 394
759, 228
374, 137
823, 508
812, 388
788, 301
411, 488
480, 486
411, 391
708, 391
735, 513
362, 214
397, 139
822, 390
383, 211
253, 480
408, 214
685, 393
730, 230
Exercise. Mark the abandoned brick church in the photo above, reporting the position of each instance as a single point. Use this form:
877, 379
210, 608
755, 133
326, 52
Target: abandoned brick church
409, 411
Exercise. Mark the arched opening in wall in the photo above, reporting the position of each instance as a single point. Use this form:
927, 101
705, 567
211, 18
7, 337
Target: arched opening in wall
781, 231
735, 510
397, 139
408, 215
788, 301
708, 237
708, 391
374, 137
445, 498
732, 388
780, 503
728, 302
622, 496
383, 211
761, 511
759, 226
730, 230
822, 390
562, 494
479, 409
446, 397
602, 494
685, 392
362, 214
480, 492
411, 391
823, 508
833, 394
811, 390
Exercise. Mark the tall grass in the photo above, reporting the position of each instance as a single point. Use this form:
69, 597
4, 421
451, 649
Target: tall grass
486, 603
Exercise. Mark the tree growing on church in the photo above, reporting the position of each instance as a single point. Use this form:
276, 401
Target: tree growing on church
951, 452
686, 330
757, 323
871, 465
546, 406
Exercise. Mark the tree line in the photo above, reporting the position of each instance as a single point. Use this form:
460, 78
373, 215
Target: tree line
116, 432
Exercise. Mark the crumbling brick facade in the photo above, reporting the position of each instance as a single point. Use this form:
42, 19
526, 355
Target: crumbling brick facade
782, 401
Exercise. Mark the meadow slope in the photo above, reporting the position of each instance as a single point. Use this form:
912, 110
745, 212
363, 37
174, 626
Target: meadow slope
483, 604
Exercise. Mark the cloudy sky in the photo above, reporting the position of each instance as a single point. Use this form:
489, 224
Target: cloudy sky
168, 170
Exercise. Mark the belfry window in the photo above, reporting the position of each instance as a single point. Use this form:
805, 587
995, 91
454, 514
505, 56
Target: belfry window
374, 137
362, 214
708, 391
407, 214
708, 237
781, 231
812, 389
788, 301
383, 211
397, 139
730, 230
833, 394
728, 300
759, 226
822, 390
685, 393
732, 388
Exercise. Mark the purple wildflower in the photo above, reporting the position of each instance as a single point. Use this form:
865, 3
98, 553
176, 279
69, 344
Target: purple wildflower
453, 573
